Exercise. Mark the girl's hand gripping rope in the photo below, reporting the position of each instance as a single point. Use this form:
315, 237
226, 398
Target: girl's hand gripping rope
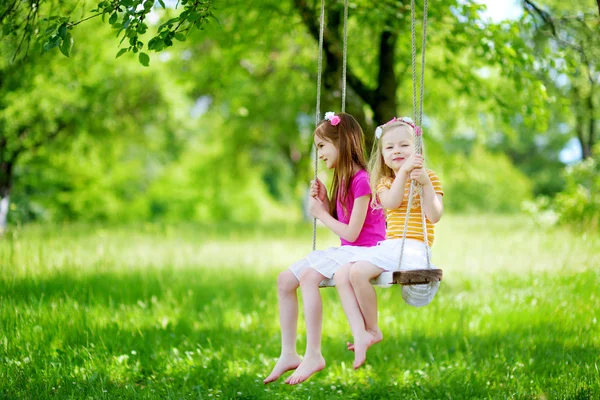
412, 162
318, 190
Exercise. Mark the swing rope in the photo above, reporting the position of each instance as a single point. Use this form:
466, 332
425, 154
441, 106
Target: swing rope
418, 118
318, 108
345, 56
319, 73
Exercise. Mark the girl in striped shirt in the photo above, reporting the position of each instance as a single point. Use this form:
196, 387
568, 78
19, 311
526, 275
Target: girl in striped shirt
392, 166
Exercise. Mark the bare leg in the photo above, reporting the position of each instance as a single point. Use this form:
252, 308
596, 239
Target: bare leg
313, 314
352, 309
287, 284
360, 275
348, 300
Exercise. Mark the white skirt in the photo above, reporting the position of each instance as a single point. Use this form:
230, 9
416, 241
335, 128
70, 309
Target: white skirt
326, 262
386, 255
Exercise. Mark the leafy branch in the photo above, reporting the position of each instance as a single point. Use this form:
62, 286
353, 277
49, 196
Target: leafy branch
127, 17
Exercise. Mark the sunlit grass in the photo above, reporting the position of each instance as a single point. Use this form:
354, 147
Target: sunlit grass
156, 311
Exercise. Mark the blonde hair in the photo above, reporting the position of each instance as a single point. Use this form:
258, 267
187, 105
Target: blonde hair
348, 138
377, 167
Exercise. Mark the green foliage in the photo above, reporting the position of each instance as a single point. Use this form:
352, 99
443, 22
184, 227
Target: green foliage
218, 186
564, 40
578, 205
118, 155
482, 181
48, 24
107, 186
142, 155
266, 98
540, 75
89, 135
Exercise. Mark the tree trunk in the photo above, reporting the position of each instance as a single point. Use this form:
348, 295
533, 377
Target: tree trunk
4, 203
592, 122
580, 130
5, 185
580, 120
384, 104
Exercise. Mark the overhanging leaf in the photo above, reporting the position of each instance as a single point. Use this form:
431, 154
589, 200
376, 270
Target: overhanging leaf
144, 59
67, 45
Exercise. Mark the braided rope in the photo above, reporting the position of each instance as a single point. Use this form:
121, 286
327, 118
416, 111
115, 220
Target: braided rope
318, 107
423, 46
345, 56
418, 118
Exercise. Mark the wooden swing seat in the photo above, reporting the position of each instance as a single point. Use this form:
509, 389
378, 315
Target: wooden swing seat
404, 278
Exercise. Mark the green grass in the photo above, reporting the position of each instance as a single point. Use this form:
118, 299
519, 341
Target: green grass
184, 312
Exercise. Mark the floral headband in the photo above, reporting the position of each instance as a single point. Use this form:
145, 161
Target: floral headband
405, 120
332, 118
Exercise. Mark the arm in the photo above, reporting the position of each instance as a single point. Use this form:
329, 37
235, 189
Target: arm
432, 201
394, 196
350, 231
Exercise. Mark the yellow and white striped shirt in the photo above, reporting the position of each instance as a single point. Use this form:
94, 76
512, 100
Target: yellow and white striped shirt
395, 218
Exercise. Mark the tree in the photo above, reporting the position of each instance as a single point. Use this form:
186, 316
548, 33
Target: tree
257, 70
46, 103
571, 42
387, 22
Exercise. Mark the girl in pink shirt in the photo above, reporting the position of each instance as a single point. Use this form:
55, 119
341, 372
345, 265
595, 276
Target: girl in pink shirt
349, 214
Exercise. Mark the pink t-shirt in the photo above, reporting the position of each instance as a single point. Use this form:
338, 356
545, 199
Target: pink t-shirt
373, 230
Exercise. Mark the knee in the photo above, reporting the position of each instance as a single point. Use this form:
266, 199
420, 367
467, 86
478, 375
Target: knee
342, 277
287, 282
310, 277
357, 275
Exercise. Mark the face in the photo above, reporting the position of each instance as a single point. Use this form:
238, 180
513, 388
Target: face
327, 152
396, 146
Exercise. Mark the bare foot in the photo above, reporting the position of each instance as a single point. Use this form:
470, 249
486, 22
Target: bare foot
286, 362
308, 367
377, 335
362, 344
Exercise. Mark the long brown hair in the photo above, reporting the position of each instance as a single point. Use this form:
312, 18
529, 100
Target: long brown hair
349, 140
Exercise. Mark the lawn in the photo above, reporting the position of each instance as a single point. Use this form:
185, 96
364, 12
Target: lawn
153, 311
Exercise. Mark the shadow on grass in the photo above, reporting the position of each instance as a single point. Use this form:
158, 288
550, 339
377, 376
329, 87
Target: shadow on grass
202, 350
132, 286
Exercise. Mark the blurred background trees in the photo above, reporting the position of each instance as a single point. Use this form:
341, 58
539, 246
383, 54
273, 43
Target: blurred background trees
218, 126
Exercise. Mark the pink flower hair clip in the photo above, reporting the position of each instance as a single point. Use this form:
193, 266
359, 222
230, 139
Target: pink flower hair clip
332, 118
405, 120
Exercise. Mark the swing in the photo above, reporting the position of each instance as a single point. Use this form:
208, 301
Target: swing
413, 277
